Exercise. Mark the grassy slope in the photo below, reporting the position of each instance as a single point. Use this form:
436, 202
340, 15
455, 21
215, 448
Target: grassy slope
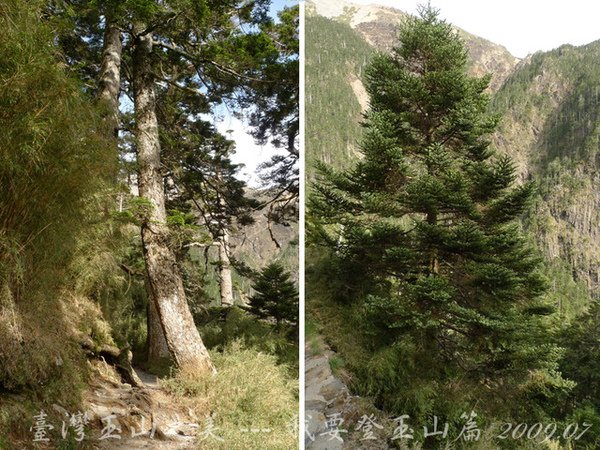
250, 391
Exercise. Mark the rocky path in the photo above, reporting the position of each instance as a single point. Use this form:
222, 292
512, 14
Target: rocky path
328, 400
136, 418
326, 395
150, 381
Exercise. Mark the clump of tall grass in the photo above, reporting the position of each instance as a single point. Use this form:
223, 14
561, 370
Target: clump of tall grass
250, 403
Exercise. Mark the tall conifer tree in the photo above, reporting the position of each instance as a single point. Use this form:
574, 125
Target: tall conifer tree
216, 52
426, 234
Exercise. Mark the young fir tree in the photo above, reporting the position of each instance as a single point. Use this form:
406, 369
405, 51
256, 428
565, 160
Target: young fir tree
276, 296
425, 228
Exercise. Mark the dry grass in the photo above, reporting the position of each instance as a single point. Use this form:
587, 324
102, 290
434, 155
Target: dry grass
251, 403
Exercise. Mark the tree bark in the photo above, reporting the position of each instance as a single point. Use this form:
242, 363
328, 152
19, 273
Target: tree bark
225, 283
108, 93
434, 264
158, 350
180, 332
109, 84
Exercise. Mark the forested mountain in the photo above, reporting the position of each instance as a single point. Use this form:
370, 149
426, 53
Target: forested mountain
549, 117
364, 296
345, 36
550, 109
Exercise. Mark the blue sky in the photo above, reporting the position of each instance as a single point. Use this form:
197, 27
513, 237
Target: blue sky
278, 5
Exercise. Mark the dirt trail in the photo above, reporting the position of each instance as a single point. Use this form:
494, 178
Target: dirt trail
149, 380
143, 418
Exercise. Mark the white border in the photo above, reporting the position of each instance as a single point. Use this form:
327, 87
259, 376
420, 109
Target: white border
301, 230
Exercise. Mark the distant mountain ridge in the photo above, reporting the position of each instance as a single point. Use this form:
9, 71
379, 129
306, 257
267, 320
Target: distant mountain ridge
378, 26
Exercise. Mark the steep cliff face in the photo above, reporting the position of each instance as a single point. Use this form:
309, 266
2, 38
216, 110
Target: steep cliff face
551, 123
550, 126
262, 242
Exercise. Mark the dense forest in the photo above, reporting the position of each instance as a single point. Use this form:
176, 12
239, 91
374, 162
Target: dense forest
148, 295
452, 265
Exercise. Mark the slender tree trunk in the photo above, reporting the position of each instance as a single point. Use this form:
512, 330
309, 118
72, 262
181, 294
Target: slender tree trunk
432, 218
182, 337
243, 297
110, 73
434, 263
225, 282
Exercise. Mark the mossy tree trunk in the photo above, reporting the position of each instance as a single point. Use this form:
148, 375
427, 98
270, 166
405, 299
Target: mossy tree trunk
182, 337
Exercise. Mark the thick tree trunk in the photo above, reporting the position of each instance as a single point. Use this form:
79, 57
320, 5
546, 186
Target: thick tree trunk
182, 337
108, 94
225, 283
109, 83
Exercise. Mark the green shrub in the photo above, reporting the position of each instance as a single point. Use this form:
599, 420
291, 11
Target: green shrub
221, 327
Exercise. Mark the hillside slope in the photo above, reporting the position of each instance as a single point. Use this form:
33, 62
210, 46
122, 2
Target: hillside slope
551, 121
